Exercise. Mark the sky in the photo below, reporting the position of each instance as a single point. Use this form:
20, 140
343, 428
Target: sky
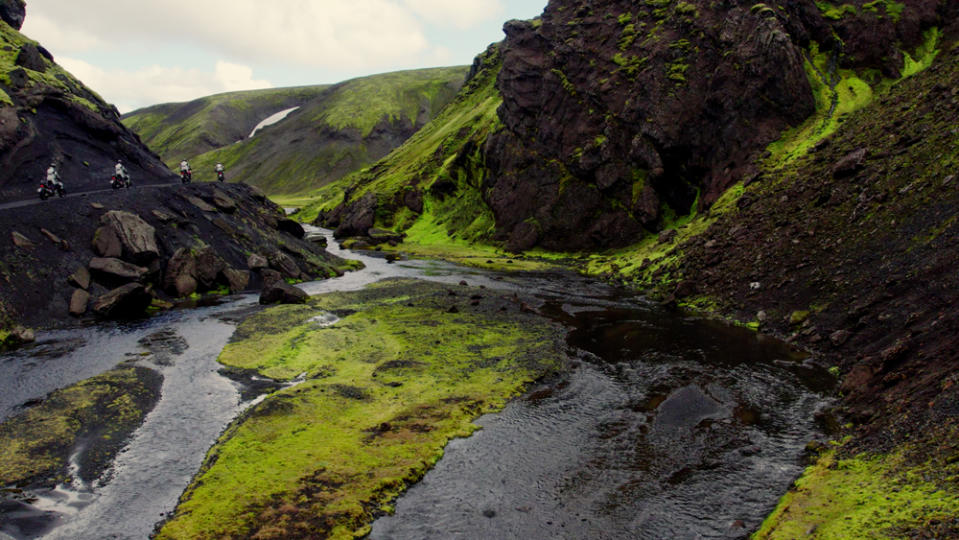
143, 52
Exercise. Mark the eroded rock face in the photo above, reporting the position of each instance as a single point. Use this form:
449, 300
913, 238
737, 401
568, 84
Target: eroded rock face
615, 110
114, 270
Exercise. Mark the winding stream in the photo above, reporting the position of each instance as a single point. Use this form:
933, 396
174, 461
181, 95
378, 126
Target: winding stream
666, 426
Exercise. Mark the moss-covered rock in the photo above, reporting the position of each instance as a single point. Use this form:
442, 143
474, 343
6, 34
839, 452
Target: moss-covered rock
94, 417
388, 380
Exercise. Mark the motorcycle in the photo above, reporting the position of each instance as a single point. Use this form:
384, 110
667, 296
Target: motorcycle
220, 176
48, 190
186, 176
117, 183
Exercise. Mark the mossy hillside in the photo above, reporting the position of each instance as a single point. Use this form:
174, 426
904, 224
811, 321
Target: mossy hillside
444, 162
53, 76
347, 127
890, 495
103, 411
397, 97
386, 387
179, 131
840, 96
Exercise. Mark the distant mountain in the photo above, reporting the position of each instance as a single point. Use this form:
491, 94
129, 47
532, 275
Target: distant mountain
333, 130
46, 114
184, 130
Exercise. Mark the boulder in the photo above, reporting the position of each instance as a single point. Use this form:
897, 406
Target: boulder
283, 293
131, 300
200, 203
78, 302
270, 276
291, 227
179, 279
20, 335
115, 270
106, 243
224, 203
165, 217
256, 262
237, 280
317, 238
359, 217
209, 265
30, 58
21, 241
81, 278
851, 164
383, 236
137, 236
285, 265
13, 12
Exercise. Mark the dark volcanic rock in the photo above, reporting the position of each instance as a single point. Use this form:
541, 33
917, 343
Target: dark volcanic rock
81, 278
291, 227
13, 12
282, 293
128, 301
114, 270
137, 236
851, 164
78, 302
358, 218
29, 57
179, 280
106, 243
614, 104
237, 280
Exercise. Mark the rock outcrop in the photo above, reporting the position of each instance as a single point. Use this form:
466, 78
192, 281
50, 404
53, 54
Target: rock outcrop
140, 244
13, 12
282, 293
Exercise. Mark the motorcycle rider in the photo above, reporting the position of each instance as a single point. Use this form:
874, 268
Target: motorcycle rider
53, 178
121, 173
220, 171
185, 169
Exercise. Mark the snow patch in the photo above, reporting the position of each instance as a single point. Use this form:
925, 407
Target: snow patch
275, 119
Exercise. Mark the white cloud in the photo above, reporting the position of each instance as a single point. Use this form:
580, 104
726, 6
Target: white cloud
461, 13
129, 90
339, 34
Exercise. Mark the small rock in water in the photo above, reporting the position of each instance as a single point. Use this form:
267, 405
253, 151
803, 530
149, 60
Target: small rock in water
489, 514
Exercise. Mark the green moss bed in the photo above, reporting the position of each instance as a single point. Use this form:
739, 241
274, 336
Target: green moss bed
405, 367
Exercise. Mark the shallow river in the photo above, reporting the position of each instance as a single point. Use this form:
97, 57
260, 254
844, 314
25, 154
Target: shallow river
667, 427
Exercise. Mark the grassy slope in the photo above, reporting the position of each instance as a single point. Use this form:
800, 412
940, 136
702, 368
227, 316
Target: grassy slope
335, 133
448, 150
386, 388
55, 76
178, 130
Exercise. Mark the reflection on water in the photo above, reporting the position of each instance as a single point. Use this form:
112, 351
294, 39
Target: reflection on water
669, 427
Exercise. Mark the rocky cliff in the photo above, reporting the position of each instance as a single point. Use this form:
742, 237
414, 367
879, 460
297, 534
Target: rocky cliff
47, 115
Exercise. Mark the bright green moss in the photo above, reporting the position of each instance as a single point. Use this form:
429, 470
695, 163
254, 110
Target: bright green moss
867, 496
35, 446
388, 386
889, 8
924, 56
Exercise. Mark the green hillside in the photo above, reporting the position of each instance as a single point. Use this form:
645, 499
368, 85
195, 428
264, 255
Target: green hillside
444, 157
347, 127
178, 130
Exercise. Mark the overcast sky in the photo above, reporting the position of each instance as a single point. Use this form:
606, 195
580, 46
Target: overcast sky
142, 52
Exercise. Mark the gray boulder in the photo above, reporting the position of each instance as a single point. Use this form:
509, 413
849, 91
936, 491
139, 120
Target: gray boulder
283, 293
137, 236
179, 279
78, 302
115, 270
106, 243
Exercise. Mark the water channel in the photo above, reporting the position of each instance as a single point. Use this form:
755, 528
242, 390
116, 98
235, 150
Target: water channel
666, 426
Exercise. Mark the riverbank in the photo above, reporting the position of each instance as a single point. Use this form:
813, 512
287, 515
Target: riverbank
389, 375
